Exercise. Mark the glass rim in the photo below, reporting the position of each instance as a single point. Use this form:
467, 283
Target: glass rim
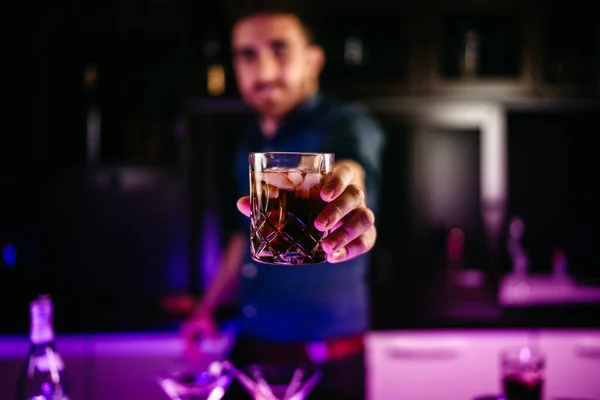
292, 153
526, 352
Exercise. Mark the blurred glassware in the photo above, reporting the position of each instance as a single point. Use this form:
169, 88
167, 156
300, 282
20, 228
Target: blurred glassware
277, 381
185, 383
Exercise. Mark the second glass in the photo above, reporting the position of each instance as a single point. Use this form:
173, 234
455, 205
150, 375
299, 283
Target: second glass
522, 373
284, 203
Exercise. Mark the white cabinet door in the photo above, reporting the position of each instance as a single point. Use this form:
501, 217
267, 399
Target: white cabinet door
436, 365
573, 363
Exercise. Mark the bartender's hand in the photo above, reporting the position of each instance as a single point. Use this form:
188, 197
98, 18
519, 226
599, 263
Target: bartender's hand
198, 326
350, 221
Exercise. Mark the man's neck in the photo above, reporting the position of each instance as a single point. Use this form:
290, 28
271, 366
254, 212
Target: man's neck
269, 124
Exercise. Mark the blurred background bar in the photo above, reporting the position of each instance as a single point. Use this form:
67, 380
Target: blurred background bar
115, 113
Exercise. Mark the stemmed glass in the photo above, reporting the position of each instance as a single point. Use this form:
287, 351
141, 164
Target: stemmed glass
276, 381
189, 384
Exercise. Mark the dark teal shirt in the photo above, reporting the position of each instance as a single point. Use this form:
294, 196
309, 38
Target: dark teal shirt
310, 303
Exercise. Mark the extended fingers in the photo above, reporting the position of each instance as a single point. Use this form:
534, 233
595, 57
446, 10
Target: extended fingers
355, 224
352, 197
355, 248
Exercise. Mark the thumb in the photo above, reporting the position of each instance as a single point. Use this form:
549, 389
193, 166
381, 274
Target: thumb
243, 205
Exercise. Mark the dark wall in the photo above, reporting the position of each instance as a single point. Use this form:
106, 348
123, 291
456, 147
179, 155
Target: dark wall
553, 166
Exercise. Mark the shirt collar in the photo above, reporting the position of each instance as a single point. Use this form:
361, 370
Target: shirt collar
295, 116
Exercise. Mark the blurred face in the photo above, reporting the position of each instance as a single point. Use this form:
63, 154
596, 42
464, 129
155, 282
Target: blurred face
276, 67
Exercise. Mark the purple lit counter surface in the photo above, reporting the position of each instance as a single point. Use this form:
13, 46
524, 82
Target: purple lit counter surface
401, 365
463, 364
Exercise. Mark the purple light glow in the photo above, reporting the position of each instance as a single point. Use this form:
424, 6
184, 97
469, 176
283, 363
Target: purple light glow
407, 364
455, 243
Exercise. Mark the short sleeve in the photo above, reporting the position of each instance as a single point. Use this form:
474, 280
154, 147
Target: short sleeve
352, 134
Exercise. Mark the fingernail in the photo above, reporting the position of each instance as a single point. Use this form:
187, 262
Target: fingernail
328, 191
323, 221
337, 255
331, 245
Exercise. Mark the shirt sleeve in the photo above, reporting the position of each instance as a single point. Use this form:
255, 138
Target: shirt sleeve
242, 188
352, 134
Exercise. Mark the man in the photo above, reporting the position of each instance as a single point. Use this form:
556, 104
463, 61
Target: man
307, 313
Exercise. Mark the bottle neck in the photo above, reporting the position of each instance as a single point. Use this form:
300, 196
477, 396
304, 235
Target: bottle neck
42, 332
41, 349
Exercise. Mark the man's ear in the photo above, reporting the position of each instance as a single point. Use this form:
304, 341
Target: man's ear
316, 58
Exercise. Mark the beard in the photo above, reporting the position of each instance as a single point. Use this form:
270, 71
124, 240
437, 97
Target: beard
275, 99
274, 102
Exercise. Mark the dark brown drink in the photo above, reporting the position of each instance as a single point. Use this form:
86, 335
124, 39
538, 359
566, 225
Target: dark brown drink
516, 387
523, 373
284, 205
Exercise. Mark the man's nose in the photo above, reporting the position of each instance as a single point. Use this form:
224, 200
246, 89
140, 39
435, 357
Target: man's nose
266, 68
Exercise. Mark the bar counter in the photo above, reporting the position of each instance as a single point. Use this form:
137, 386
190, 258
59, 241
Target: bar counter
401, 365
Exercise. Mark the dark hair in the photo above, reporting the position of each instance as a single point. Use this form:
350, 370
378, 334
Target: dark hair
241, 9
